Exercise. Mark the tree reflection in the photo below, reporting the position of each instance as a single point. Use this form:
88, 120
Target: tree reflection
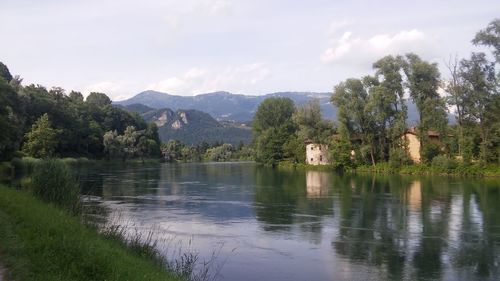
420, 229
370, 224
284, 198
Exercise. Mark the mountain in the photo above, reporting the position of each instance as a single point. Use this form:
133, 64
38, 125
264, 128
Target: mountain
224, 105
192, 126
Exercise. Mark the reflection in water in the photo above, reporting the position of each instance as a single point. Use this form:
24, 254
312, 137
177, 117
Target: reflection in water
317, 184
415, 196
311, 225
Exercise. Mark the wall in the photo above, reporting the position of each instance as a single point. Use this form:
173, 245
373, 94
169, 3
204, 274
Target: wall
413, 147
317, 154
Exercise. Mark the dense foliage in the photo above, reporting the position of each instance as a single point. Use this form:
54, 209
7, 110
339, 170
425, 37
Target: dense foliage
47, 123
175, 150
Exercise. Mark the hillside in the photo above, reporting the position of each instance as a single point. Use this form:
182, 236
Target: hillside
225, 105
192, 126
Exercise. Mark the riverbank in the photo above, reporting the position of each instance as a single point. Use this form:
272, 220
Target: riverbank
474, 170
41, 242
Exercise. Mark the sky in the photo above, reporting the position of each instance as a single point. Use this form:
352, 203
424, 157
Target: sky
242, 46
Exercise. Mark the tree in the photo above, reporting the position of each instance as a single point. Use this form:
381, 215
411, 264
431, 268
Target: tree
111, 144
128, 142
388, 72
41, 140
490, 37
273, 127
457, 90
4, 72
220, 153
172, 150
423, 83
481, 93
310, 123
98, 99
11, 124
356, 114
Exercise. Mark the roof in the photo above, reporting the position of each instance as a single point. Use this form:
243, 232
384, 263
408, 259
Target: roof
413, 131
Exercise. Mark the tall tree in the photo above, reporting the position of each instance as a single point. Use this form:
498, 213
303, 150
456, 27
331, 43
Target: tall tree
311, 124
273, 127
457, 89
41, 140
388, 72
355, 113
10, 121
490, 36
423, 84
480, 106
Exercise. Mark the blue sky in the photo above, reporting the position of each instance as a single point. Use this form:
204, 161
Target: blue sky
249, 47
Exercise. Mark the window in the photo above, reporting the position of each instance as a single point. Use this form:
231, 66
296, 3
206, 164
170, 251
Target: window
321, 158
320, 147
312, 147
312, 159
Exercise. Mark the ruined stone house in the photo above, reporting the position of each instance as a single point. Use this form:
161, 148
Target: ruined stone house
316, 154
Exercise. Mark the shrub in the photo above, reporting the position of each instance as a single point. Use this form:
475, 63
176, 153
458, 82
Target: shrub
24, 166
443, 164
398, 157
429, 151
53, 182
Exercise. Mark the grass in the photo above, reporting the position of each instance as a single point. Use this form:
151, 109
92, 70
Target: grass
459, 169
477, 170
39, 241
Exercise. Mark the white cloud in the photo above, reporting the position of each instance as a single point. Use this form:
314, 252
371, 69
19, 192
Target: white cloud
357, 50
200, 80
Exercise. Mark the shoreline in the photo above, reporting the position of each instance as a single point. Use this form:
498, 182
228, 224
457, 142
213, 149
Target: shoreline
469, 171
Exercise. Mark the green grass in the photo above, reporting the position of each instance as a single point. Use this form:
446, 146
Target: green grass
476, 170
41, 242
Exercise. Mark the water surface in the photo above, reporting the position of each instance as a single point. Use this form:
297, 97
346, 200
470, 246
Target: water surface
309, 225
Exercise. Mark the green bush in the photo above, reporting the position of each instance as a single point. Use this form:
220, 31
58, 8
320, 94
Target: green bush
53, 182
398, 157
443, 164
24, 166
429, 151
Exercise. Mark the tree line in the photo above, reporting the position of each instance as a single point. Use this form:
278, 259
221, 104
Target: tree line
372, 112
41, 123
174, 150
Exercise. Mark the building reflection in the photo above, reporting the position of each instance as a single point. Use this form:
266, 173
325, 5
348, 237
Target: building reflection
415, 196
317, 184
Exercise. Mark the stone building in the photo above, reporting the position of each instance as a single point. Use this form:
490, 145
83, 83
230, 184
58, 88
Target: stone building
316, 154
413, 143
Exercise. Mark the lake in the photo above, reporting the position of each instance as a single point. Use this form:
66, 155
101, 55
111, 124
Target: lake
269, 224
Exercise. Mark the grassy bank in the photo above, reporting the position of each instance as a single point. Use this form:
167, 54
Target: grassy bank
475, 170
41, 242
453, 169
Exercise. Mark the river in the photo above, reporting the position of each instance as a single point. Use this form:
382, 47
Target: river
269, 224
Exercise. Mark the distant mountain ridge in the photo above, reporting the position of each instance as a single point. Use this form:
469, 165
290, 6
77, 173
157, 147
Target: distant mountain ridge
224, 105
191, 126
